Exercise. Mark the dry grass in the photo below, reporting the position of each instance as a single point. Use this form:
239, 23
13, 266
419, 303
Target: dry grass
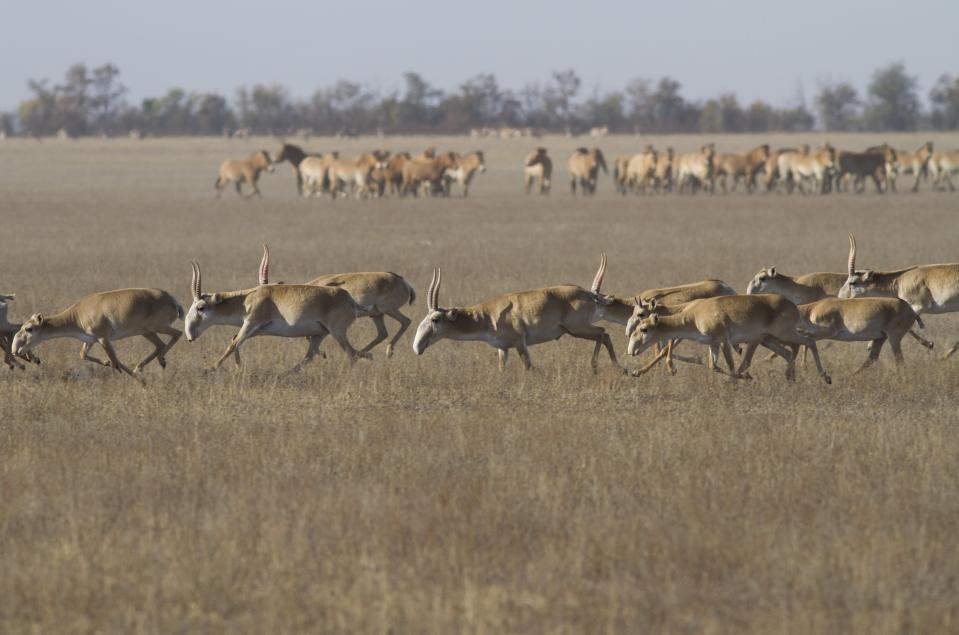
435, 494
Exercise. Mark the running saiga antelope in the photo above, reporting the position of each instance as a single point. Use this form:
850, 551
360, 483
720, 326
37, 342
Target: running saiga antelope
584, 166
929, 289
538, 167
516, 320
384, 292
282, 310
724, 321
7, 331
874, 320
239, 171
103, 318
804, 289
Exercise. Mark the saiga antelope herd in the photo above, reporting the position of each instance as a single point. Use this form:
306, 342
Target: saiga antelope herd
778, 312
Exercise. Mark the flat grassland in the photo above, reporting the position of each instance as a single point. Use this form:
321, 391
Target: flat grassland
435, 493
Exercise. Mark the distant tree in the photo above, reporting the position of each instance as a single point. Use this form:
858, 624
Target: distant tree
760, 117
605, 110
212, 114
558, 97
39, 115
710, 117
8, 123
838, 106
639, 96
944, 98
671, 113
417, 109
797, 119
893, 102
107, 97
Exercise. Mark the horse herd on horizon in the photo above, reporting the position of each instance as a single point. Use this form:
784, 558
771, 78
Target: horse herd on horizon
779, 312
379, 173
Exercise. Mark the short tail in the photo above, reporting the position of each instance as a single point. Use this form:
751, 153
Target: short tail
179, 311
412, 294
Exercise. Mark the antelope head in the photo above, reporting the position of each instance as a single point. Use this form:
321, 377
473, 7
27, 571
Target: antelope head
29, 335
858, 282
644, 334
202, 313
437, 323
642, 309
760, 282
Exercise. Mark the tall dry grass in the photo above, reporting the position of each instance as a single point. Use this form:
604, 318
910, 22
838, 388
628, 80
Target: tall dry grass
434, 493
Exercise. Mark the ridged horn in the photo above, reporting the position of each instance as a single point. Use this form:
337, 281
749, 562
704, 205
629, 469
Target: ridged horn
265, 266
431, 293
195, 283
852, 254
600, 274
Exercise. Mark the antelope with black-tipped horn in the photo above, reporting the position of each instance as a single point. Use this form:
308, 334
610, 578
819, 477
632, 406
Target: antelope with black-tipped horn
928, 289
518, 320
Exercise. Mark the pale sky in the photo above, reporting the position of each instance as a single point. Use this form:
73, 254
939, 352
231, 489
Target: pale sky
756, 48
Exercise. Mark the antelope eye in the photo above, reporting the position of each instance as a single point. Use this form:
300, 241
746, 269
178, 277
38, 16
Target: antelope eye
435, 318
201, 309
29, 329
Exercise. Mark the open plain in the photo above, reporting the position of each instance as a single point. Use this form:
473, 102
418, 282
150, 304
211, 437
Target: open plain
436, 493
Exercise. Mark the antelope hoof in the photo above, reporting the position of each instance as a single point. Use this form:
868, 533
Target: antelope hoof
161, 361
826, 378
928, 345
389, 351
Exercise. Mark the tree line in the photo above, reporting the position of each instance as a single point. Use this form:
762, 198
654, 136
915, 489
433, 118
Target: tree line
93, 101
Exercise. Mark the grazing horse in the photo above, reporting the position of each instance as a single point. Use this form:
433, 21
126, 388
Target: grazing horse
584, 167
295, 155
463, 174
243, 171
538, 166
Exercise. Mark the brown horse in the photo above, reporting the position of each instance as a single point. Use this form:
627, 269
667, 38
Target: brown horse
239, 171
419, 172
295, 155
463, 174
743, 167
539, 166
584, 167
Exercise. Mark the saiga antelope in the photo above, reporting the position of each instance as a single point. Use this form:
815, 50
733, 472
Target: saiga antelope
280, 310
105, 317
721, 322
7, 331
926, 288
874, 320
384, 291
516, 320
805, 289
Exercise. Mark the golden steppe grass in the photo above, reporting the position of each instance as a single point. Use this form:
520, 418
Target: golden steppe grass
435, 493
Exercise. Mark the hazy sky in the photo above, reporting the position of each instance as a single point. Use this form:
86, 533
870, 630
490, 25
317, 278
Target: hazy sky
760, 48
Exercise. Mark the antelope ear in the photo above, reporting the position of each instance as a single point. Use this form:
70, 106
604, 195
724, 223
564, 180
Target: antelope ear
654, 319
653, 304
39, 318
772, 272
215, 298
452, 314
867, 276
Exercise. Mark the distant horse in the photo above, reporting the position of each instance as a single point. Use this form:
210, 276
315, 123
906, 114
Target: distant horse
239, 171
538, 166
295, 155
584, 167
